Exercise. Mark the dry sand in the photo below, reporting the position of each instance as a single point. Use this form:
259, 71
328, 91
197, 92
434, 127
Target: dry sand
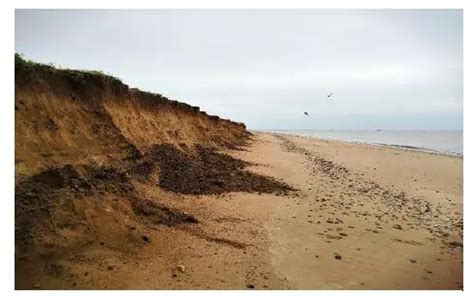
363, 217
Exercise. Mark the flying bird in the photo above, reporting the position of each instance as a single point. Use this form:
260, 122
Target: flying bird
330, 95
305, 113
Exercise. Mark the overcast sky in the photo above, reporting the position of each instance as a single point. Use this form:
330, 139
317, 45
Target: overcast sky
392, 69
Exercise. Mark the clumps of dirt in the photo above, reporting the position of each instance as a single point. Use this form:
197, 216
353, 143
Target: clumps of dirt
208, 172
47, 203
158, 214
132, 152
38, 197
142, 170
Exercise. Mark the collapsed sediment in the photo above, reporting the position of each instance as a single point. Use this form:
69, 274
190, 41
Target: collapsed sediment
85, 140
208, 172
41, 198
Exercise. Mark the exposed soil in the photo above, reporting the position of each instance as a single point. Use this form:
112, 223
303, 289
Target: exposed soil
202, 171
37, 198
157, 214
209, 172
101, 167
84, 117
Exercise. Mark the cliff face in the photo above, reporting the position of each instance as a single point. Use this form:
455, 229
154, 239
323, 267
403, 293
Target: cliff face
83, 140
76, 117
97, 162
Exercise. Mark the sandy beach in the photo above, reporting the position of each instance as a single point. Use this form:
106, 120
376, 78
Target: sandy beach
361, 217
237, 149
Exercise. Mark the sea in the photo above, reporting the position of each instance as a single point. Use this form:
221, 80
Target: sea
444, 142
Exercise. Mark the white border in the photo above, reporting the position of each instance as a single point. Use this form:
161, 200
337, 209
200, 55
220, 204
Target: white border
7, 124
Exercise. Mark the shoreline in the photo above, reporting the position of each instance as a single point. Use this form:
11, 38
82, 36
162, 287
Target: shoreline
394, 146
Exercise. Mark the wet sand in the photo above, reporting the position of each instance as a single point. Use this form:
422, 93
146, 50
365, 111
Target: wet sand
362, 217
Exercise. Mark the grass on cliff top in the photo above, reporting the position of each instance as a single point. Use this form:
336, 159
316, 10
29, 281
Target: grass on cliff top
24, 64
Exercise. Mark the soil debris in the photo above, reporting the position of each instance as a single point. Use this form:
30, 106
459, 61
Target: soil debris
209, 172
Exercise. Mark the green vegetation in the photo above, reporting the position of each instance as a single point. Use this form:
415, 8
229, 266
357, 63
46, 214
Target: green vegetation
78, 75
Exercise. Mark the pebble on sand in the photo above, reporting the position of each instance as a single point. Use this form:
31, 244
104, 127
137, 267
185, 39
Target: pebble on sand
338, 257
456, 244
181, 268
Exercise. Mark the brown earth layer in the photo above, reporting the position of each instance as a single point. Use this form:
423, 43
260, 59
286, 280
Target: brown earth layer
80, 117
87, 146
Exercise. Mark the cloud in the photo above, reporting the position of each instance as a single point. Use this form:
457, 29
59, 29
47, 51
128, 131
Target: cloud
269, 63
